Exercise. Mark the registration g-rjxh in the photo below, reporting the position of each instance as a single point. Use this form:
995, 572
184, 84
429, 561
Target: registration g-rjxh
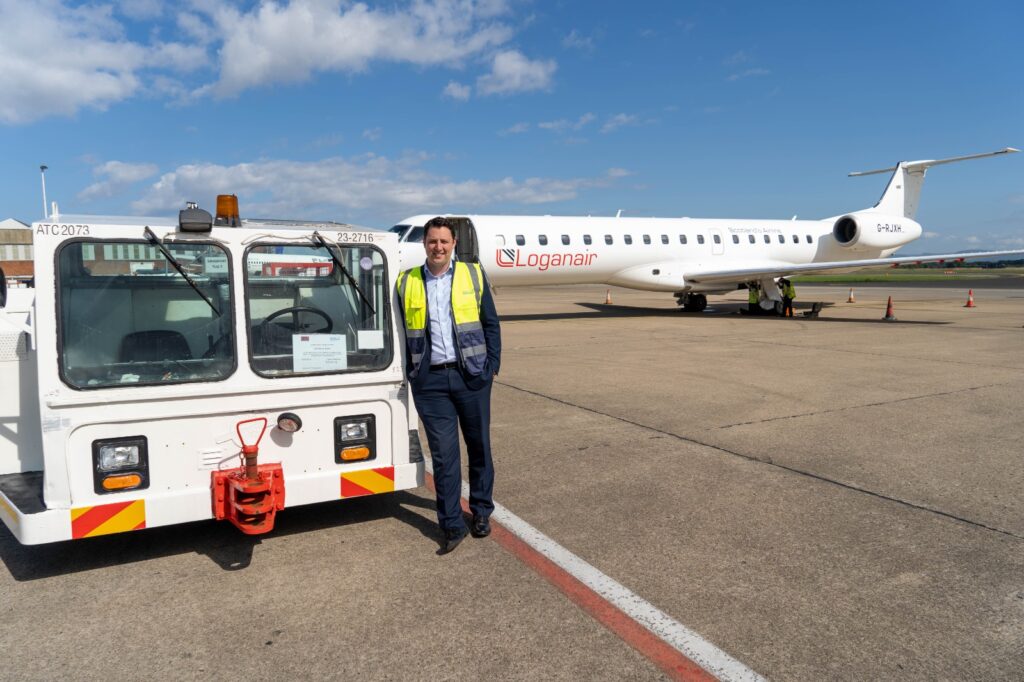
692, 257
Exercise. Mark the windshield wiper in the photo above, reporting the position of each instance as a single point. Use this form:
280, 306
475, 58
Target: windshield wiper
155, 241
320, 241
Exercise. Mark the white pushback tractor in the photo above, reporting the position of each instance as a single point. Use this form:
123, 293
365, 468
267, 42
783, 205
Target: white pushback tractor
164, 372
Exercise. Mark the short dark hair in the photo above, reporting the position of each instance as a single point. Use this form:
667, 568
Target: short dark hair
439, 221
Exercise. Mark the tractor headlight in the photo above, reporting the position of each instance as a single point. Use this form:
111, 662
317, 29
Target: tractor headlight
355, 438
120, 464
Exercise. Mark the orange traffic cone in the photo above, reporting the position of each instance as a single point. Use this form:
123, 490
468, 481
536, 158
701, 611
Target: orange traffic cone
608, 297
851, 299
889, 317
970, 299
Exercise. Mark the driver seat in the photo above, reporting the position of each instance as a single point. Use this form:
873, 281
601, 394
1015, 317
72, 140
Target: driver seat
154, 345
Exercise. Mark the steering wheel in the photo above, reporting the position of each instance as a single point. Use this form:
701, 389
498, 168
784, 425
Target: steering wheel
275, 337
294, 326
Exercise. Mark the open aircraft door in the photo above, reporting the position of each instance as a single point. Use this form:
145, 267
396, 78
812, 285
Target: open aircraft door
468, 248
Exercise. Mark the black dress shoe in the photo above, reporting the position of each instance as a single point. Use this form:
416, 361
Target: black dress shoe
452, 538
481, 527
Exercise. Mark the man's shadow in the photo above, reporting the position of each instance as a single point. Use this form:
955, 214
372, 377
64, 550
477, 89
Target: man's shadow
224, 544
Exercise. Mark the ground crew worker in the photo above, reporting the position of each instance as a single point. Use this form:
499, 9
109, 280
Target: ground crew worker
753, 299
453, 350
788, 294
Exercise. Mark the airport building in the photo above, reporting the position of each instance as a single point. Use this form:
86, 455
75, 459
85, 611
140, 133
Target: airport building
16, 252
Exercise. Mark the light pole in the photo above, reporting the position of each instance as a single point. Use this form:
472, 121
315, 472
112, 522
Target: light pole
42, 175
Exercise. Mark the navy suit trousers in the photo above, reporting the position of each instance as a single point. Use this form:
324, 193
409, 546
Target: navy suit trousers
445, 404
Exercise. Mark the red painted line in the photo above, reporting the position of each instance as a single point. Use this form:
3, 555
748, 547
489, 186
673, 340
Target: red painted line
350, 489
667, 658
387, 472
95, 517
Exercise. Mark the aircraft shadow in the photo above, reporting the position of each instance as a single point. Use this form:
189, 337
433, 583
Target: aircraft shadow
220, 541
597, 310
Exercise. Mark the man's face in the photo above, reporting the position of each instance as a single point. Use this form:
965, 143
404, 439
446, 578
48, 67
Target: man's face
439, 243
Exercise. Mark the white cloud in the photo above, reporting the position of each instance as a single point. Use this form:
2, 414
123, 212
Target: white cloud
57, 59
516, 129
335, 185
619, 120
748, 73
740, 57
372, 134
117, 176
512, 71
973, 239
578, 41
277, 43
140, 9
931, 235
457, 91
563, 125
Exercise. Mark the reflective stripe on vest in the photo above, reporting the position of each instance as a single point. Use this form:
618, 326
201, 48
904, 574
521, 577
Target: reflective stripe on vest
467, 293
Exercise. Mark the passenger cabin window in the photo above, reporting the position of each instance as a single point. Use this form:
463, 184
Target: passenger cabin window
565, 239
627, 238
717, 238
700, 239
767, 239
782, 240
586, 239
647, 239
608, 239
127, 317
664, 239
735, 239
311, 313
543, 239
750, 238
809, 240
796, 239
520, 240
682, 239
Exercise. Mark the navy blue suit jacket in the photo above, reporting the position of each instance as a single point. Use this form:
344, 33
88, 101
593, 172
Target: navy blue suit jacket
492, 335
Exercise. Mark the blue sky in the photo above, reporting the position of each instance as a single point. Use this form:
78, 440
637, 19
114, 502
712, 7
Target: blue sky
370, 112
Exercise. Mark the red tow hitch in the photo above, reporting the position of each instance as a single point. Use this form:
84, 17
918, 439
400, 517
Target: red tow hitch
249, 496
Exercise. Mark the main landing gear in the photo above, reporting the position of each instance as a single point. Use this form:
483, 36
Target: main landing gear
692, 303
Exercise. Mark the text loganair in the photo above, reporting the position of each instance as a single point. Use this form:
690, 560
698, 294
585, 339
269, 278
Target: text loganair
512, 258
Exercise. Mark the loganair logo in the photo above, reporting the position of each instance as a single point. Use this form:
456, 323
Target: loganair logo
512, 258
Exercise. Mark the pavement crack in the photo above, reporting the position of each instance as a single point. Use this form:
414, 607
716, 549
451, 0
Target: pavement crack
862, 406
776, 465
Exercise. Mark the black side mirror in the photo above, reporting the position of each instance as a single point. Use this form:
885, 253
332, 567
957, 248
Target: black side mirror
3, 288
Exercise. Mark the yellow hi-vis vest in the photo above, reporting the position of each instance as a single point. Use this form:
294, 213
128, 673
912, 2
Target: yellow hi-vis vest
467, 292
789, 291
754, 296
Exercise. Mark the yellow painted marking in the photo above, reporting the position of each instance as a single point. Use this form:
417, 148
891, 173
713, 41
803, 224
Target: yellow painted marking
371, 480
15, 521
127, 519
75, 513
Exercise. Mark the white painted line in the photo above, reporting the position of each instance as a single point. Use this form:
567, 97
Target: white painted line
672, 632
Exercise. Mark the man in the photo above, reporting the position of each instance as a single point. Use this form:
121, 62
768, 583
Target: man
453, 350
753, 299
788, 294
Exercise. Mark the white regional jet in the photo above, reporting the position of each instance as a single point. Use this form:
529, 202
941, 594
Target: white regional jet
691, 257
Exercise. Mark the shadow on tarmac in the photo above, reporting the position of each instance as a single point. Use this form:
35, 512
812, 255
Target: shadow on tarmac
597, 310
220, 541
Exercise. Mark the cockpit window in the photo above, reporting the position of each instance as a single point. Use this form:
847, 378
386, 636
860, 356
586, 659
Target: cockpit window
127, 317
414, 235
314, 312
399, 230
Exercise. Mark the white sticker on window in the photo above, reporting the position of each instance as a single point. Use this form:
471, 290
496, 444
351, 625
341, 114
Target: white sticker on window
319, 352
366, 263
370, 338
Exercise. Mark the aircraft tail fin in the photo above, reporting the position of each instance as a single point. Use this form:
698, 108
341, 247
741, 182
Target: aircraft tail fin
903, 193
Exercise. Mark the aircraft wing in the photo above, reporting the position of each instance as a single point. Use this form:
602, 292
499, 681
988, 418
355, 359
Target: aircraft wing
781, 269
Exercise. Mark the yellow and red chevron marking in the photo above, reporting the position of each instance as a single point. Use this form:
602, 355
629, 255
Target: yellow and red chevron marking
103, 519
367, 482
